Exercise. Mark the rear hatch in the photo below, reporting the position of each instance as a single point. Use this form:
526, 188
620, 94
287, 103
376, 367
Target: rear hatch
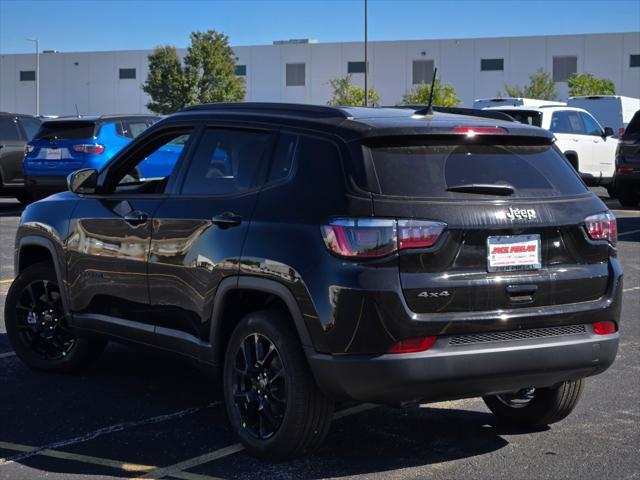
628, 155
61, 146
514, 211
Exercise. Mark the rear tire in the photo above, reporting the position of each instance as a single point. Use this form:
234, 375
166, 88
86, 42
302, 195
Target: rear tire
628, 197
273, 402
37, 326
546, 405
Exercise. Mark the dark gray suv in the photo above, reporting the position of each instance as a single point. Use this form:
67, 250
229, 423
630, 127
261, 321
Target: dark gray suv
15, 131
312, 254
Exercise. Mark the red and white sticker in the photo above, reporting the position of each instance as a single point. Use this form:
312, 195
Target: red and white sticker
521, 252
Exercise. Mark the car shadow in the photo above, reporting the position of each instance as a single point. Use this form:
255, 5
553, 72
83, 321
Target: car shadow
129, 386
10, 207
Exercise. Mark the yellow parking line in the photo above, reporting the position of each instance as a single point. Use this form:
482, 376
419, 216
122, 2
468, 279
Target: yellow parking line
7, 354
5, 280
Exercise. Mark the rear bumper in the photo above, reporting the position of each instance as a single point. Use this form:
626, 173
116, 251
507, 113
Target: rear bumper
457, 371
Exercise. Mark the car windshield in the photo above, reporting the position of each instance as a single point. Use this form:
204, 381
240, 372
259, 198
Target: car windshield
449, 170
71, 130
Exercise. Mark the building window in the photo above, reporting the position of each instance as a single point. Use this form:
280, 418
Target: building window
422, 71
241, 70
295, 74
355, 67
127, 73
564, 67
491, 64
27, 75
634, 60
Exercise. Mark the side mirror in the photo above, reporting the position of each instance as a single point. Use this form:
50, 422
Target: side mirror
83, 181
608, 131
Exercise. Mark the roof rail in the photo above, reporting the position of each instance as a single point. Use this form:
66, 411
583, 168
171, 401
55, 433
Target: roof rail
285, 109
471, 112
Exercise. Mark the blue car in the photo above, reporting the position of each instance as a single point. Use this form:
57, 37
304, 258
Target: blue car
64, 145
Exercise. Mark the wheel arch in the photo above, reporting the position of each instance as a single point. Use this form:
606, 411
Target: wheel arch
222, 324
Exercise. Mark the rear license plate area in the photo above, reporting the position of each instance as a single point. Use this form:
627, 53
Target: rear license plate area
513, 252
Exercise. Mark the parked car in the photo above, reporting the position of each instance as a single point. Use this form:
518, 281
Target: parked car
590, 148
66, 144
15, 131
627, 177
615, 111
481, 103
309, 254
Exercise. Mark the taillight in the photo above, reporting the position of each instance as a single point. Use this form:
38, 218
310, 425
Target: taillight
89, 148
602, 226
624, 170
377, 237
412, 345
606, 327
470, 131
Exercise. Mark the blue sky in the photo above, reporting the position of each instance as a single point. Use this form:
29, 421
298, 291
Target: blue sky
73, 25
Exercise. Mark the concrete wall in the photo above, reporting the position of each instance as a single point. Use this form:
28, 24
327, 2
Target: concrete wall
91, 80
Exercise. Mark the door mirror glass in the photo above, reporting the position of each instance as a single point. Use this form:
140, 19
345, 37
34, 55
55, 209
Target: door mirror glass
83, 181
608, 131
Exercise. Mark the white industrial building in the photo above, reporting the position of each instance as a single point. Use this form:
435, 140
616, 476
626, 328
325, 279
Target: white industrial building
299, 70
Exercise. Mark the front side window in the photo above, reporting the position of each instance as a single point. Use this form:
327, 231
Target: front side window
591, 126
225, 162
567, 122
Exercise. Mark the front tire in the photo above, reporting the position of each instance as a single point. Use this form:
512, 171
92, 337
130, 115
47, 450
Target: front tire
272, 400
536, 407
37, 325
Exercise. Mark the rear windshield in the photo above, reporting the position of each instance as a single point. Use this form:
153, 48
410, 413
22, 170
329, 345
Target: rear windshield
528, 117
72, 130
428, 170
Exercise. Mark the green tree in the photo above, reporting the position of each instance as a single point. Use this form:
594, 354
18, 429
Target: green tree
345, 93
541, 87
208, 74
165, 83
210, 69
444, 95
583, 84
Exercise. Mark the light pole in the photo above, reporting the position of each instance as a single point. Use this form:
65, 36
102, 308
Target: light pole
37, 42
366, 63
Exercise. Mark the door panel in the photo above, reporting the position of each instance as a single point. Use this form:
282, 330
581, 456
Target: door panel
11, 153
107, 257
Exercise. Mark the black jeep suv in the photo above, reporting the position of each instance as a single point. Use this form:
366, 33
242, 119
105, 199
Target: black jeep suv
313, 254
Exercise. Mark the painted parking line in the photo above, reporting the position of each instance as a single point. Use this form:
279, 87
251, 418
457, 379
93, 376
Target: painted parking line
631, 289
7, 354
178, 468
132, 468
630, 232
104, 431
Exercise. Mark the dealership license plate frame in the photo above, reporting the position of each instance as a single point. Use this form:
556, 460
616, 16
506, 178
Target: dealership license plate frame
53, 154
528, 262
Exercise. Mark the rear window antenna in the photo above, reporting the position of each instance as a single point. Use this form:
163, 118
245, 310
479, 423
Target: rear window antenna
429, 109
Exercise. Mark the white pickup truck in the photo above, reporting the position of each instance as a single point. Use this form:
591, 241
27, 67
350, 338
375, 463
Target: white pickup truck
589, 147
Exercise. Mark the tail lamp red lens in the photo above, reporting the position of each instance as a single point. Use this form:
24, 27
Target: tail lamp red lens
375, 238
602, 226
625, 170
606, 327
89, 148
412, 345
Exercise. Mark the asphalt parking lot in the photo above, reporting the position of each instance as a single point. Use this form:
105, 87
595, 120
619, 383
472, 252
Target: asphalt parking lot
144, 414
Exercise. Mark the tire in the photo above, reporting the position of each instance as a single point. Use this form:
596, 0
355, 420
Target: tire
301, 423
628, 197
44, 341
545, 406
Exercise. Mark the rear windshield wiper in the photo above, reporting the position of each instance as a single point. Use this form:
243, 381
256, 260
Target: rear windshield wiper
485, 188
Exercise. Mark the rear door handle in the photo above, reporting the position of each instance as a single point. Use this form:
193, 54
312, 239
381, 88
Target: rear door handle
136, 217
227, 219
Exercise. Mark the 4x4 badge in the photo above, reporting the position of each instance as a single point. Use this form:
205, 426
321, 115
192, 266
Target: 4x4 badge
521, 214
443, 293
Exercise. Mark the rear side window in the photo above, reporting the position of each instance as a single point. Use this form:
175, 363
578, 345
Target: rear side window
528, 117
428, 170
225, 162
30, 126
8, 129
283, 157
72, 130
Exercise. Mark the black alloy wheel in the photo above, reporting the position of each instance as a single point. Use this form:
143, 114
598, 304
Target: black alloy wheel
259, 386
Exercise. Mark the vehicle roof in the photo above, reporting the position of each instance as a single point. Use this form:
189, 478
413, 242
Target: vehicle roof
98, 118
351, 123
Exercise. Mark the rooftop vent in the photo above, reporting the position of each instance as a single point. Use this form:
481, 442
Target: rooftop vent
295, 41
